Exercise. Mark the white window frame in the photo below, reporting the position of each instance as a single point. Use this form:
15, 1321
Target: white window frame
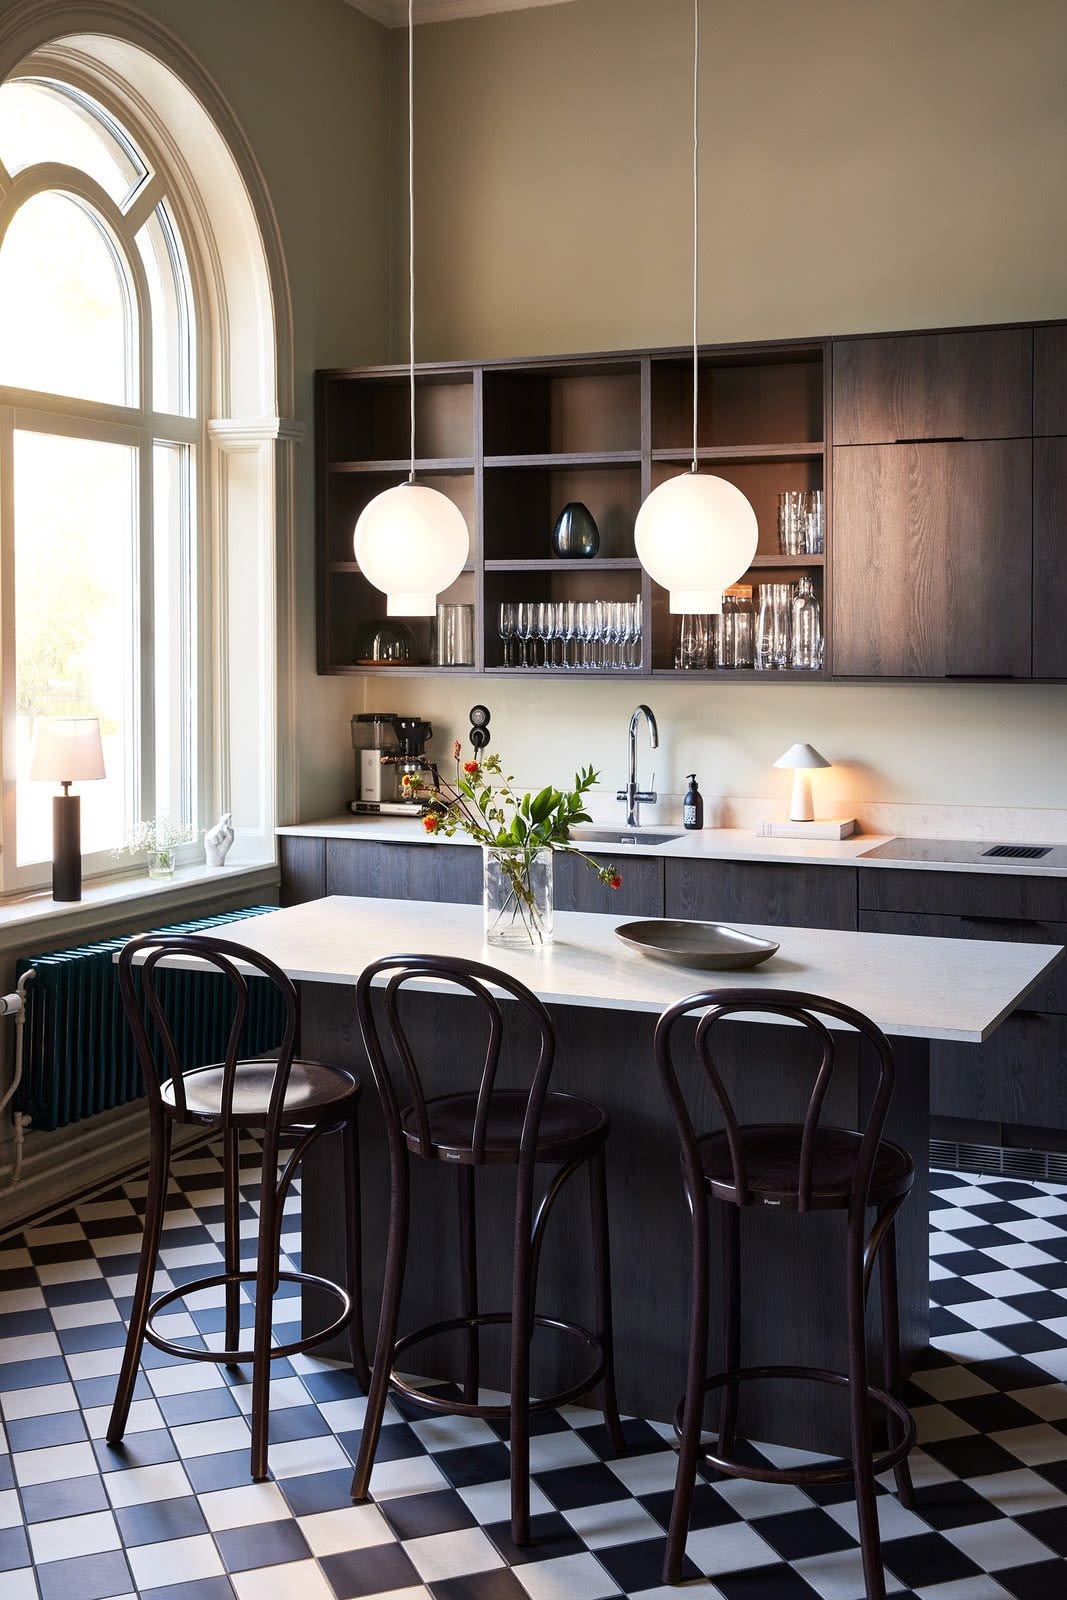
139, 426
245, 480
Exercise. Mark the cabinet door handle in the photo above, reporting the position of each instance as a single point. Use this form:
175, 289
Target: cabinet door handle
938, 438
983, 677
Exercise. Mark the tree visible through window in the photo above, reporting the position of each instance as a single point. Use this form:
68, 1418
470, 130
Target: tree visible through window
98, 428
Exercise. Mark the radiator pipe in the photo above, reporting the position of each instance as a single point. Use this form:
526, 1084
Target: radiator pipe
15, 1005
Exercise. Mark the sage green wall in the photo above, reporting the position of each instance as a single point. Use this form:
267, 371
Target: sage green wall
866, 164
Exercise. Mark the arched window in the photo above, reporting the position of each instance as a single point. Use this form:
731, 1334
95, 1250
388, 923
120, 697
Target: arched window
101, 423
146, 439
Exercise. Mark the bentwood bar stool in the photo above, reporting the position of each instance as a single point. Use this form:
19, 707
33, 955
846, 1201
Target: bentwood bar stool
278, 1097
801, 1167
468, 1129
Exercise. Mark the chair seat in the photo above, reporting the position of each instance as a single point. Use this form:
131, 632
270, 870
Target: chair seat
568, 1126
315, 1093
771, 1163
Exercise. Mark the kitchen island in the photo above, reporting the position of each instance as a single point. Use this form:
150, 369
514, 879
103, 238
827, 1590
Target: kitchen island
605, 1000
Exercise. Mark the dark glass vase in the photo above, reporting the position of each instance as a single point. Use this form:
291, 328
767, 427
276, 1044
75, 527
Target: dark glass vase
575, 533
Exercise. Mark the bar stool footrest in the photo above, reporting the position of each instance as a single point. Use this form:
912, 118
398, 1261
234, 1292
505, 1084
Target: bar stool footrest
802, 1476
424, 1398
233, 1357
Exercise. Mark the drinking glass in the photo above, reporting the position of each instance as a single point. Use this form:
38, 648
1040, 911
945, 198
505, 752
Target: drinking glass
773, 625
814, 523
692, 642
506, 625
792, 522
586, 631
570, 630
524, 628
634, 653
542, 629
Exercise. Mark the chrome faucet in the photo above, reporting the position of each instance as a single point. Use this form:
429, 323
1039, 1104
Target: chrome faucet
632, 797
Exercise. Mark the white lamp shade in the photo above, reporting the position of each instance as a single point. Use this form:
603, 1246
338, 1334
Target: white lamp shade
696, 535
412, 542
66, 749
802, 755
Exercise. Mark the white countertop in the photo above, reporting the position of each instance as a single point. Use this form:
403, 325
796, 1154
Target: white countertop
704, 844
945, 989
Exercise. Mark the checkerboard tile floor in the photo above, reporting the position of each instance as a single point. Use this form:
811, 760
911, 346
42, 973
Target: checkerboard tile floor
172, 1515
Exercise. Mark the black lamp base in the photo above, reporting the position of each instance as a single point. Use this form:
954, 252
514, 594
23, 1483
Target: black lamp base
66, 847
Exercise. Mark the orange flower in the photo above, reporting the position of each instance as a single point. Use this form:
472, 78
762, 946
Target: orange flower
405, 782
431, 822
470, 767
616, 881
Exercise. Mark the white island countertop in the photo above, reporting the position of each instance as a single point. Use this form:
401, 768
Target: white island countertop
945, 989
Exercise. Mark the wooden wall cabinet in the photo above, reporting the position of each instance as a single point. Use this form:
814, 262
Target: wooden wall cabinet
932, 573
974, 384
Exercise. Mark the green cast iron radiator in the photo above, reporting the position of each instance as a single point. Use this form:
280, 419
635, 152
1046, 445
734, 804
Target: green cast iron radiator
79, 1053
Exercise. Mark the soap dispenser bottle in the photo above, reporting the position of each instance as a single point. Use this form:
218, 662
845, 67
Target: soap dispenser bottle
693, 805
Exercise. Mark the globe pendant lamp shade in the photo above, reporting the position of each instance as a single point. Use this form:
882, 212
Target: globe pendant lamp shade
412, 542
695, 535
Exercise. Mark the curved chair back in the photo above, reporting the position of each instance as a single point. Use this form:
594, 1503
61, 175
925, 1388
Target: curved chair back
478, 981
161, 1059
807, 1010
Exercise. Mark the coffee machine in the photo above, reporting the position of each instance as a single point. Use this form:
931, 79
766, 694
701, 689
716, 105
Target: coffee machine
388, 747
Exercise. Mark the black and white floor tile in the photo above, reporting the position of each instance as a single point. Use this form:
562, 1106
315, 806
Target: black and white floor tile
172, 1515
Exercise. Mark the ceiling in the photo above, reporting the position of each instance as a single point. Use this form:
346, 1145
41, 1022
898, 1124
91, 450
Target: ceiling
394, 13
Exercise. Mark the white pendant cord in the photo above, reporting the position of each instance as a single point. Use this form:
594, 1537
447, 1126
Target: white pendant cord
411, 229
696, 207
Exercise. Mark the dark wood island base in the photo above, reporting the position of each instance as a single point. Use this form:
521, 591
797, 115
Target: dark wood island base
792, 1266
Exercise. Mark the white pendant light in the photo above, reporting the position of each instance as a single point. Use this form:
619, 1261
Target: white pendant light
411, 540
696, 534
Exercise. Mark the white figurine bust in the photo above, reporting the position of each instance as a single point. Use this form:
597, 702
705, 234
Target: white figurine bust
218, 840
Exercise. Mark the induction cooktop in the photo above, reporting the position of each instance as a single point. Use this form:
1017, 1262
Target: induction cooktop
969, 853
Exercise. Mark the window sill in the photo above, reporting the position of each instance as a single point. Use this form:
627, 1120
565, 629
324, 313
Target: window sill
135, 899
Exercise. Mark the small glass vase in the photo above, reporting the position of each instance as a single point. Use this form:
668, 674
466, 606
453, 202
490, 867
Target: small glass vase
161, 863
517, 897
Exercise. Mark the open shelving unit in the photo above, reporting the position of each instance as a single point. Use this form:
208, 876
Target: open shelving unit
512, 442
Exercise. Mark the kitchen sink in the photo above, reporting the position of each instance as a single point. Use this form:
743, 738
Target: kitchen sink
647, 836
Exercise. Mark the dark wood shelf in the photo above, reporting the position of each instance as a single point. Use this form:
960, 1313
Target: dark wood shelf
741, 452
425, 466
740, 675
787, 561
353, 566
575, 458
568, 564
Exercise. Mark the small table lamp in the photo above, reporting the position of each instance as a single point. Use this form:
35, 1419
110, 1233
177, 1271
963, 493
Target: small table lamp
802, 759
66, 750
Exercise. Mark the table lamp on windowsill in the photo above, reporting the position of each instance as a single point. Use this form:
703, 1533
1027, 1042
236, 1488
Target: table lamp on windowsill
802, 759
66, 750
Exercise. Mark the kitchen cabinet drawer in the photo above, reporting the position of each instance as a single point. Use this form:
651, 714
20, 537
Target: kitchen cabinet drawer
1050, 995
976, 384
303, 868
576, 887
743, 891
404, 871
976, 895
1019, 1076
1050, 380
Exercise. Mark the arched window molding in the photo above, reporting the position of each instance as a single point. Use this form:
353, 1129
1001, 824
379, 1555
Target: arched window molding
147, 78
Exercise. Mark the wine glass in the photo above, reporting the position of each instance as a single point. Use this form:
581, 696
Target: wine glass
524, 628
506, 628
